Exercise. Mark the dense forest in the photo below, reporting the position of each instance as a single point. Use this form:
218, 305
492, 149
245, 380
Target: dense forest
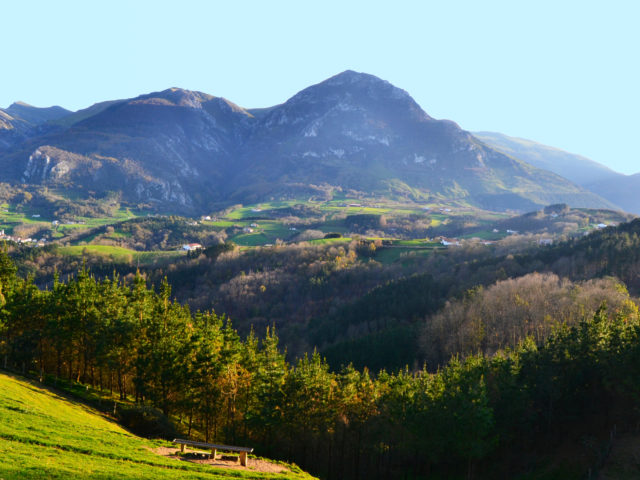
489, 414
346, 302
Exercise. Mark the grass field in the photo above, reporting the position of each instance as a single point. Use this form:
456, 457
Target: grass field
123, 255
45, 435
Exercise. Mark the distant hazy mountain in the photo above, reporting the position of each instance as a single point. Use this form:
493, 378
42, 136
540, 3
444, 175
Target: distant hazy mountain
621, 190
36, 115
186, 150
578, 169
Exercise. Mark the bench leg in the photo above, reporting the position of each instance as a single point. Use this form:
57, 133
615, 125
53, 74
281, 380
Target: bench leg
243, 459
213, 453
182, 447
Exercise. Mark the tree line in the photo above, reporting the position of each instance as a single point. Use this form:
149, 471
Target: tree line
479, 417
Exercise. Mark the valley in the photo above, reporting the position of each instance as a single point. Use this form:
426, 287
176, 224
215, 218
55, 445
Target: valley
340, 280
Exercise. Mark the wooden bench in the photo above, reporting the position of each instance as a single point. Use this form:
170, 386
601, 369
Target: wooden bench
243, 451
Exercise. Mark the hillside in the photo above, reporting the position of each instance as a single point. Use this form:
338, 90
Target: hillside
618, 189
36, 115
184, 151
622, 190
46, 435
580, 170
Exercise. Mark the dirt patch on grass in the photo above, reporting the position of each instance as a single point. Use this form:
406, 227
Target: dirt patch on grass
253, 464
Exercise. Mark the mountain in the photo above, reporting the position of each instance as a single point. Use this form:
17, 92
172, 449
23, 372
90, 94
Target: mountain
621, 190
358, 131
580, 170
615, 187
184, 150
13, 130
168, 148
21, 121
36, 115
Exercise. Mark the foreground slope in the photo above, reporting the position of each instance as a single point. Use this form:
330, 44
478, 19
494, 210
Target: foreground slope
45, 435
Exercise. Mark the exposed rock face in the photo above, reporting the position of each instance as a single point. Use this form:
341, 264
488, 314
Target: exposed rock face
186, 150
357, 131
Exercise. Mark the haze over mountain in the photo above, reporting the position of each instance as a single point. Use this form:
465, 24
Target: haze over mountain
580, 170
184, 150
617, 188
621, 190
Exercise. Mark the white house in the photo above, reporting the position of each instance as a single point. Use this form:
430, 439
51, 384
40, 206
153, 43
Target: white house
449, 241
189, 247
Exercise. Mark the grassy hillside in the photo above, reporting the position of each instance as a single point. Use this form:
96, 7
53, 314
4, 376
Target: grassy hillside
45, 436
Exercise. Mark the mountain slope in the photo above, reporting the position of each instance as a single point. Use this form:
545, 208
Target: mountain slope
358, 131
36, 115
12, 130
186, 151
45, 435
619, 189
21, 121
167, 148
580, 170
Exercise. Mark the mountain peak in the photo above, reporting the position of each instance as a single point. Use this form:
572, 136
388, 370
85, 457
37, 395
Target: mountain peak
36, 115
174, 96
353, 84
20, 104
351, 77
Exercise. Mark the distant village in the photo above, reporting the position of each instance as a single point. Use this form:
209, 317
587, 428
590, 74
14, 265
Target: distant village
253, 227
30, 241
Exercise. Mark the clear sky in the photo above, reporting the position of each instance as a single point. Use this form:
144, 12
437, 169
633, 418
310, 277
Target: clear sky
565, 73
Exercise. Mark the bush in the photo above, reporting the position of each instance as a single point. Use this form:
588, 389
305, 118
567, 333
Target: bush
147, 422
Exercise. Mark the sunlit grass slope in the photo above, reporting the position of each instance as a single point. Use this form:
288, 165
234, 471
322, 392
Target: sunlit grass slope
44, 435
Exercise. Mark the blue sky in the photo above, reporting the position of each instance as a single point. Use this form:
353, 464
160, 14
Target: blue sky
565, 73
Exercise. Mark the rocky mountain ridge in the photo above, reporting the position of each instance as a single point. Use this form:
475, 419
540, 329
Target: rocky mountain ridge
187, 151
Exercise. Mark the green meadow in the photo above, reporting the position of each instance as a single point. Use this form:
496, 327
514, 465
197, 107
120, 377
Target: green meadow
122, 255
47, 435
